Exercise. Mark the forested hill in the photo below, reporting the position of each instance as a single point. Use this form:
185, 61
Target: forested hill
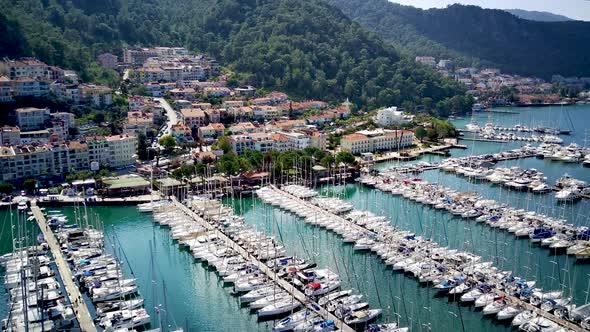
493, 36
533, 15
304, 47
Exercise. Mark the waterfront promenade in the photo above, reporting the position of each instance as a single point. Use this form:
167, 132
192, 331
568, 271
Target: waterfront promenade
74, 295
298, 295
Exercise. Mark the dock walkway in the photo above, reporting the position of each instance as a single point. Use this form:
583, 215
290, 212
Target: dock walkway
298, 295
78, 304
512, 299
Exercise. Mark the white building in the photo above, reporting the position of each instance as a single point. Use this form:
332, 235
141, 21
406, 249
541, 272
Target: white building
297, 141
390, 116
31, 118
377, 140
67, 118
426, 60
25, 67
5, 89
122, 149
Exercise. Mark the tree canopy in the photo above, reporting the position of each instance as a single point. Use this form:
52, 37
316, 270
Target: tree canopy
472, 35
306, 48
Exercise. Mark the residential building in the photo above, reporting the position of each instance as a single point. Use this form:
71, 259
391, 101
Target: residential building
445, 64
182, 133
297, 141
31, 118
30, 87
19, 162
67, 118
213, 130
138, 56
193, 117
108, 60
9, 135
243, 128
216, 91
5, 89
280, 142
390, 116
43, 136
317, 139
376, 140
212, 115
24, 68
183, 93
241, 143
97, 95
245, 91
121, 149
169, 52
79, 158
267, 112
262, 142
138, 122
283, 125
426, 60
98, 150
69, 93
232, 103
152, 74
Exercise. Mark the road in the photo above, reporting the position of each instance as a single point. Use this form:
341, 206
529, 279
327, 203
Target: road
80, 309
172, 119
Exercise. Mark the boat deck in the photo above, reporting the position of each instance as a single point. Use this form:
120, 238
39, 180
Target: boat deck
74, 295
298, 295
559, 321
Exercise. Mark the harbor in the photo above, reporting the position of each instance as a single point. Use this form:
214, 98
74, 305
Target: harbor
425, 268
197, 297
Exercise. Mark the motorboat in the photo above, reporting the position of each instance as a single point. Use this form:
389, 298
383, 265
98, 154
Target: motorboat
363, 316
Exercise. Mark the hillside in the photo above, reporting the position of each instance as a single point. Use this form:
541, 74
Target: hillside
493, 36
533, 15
305, 47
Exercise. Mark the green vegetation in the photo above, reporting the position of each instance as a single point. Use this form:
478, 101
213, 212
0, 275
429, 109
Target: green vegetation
84, 175
469, 33
6, 188
420, 133
30, 185
168, 142
306, 48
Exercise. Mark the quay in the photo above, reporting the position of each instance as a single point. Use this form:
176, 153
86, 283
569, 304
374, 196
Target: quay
491, 110
298, 295
483, 140
562, 322
414, 154
78, 305
96, 200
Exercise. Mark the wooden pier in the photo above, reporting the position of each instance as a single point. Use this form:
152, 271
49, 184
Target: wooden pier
512, 299
297, 294
78, 305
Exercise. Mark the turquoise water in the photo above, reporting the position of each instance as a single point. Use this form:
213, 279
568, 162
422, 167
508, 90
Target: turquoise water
196, 299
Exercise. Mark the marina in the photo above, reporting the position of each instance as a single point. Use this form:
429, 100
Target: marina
430, 267
200, 298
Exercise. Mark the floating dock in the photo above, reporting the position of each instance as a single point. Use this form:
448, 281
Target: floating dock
298, 295
73, 292
514, 300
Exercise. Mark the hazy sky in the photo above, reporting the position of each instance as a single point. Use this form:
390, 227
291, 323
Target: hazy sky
576, 9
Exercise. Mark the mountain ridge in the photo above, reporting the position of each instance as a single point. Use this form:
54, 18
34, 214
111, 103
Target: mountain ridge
472, 35
540, 16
